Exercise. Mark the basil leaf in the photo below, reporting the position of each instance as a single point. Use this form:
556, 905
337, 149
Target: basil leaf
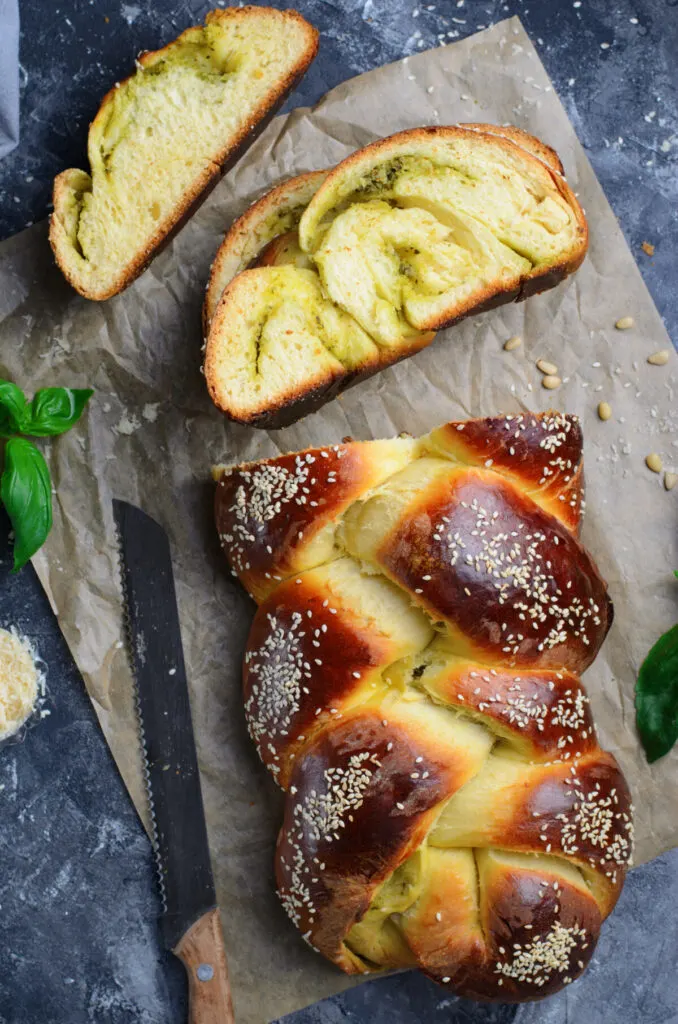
657, 697
55, 410
26, 492
13, 408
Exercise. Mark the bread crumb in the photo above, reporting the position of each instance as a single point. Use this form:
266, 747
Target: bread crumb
648, 248
150, 411
127, 424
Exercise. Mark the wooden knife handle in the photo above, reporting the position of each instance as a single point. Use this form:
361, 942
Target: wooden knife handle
202, 952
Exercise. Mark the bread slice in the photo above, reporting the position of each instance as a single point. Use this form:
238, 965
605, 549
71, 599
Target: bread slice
406, 236
161, 139
439, 222
266, 233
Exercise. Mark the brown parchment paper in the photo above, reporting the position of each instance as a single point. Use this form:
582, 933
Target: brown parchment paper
151, 435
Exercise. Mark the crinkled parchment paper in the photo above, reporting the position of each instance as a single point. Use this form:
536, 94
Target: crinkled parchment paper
151, 436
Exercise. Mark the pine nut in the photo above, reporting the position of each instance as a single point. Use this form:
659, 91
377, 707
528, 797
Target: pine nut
551, 382
670, 480
550, 369
513, 343
654, 463
625, 323
604, 411
660, 358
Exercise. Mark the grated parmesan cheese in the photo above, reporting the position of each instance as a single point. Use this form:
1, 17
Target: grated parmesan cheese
19, 682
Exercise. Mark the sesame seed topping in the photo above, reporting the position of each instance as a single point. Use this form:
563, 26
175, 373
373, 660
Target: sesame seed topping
535, 962
276, 671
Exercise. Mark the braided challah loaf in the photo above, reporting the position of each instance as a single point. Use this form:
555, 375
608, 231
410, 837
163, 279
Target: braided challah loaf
412, 682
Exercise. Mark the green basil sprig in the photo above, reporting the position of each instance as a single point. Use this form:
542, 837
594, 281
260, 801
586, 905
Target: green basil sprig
657, 697
25, 485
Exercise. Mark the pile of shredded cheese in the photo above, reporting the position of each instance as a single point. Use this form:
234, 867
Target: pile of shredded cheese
19, 682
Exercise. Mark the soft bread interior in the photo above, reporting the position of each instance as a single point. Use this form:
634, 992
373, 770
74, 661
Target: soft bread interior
160, 136
275, 335
396, 269
413, 233
479, 175
265, 235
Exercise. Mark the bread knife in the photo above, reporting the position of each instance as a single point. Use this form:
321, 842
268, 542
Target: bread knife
190, 923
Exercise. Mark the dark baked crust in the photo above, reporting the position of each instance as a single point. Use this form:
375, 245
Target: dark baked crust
209, 178
543, 714
310, 491
543, 454
311, 657
482, 557
392, 779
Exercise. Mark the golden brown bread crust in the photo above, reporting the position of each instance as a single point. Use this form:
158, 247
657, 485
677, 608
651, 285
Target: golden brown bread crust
485, 943
311, 657
523, 139
521, 909
207, 179
389, 774
543, 713
576, 807
475, 767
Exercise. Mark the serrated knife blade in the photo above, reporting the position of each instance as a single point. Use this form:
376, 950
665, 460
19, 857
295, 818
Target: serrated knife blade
190, 921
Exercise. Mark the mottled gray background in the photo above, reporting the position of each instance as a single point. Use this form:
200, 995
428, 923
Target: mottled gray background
78, 935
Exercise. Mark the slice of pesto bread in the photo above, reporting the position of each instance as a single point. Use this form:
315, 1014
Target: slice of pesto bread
162, 137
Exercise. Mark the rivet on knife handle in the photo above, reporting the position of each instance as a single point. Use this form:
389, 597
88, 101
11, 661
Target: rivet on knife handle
202, 953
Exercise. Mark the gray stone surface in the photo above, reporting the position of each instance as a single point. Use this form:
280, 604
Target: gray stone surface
78, 938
